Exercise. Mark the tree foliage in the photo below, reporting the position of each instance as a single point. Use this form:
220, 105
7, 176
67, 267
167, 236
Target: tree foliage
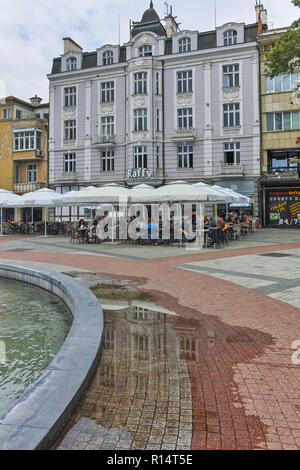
285, 55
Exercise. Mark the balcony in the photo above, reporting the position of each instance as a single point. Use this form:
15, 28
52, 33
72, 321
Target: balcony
21, 188
231, 169
105, 141
28, 155
188, 134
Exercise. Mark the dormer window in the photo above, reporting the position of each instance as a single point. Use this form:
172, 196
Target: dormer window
108, 58
71, 64
184, 45
145, 51
230, 37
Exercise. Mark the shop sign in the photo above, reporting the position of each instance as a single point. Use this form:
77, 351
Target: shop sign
284, 208
139, 173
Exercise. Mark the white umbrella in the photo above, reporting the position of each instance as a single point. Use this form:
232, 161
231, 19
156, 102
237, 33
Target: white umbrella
141, 188
241, 197
42, 198
230, 198
179, 191
7, 199
218, 197
110, 193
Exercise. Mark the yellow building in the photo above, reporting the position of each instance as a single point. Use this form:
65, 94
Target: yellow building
23, 148
280, 116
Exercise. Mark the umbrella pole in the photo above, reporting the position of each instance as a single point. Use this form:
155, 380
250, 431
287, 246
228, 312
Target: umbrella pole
112, 224
1, 220
46, 213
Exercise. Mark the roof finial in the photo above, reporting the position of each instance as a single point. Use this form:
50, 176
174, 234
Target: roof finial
151, 4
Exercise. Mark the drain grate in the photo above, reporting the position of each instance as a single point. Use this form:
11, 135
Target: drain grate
20, 249
276, 255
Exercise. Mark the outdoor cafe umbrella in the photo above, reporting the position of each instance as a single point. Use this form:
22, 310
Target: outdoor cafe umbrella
41, 198
109, 193
178, 191
217, 196
141, 188
7, 199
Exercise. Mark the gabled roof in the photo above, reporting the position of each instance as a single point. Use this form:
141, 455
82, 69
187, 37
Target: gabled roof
149, 22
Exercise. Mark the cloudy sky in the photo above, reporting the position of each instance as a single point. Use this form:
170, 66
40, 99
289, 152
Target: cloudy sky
31, 31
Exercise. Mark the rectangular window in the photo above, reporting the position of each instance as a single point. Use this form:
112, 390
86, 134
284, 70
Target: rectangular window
157, 157
69, 162
289, 120
231, 75
157, 83
185, 156
31, 173
185, 118
108, 126
231, 114
145, 51
70, 97
158, 120
18, 114
140, 119
108, 337
232, 153
140, 157
70, 130
27, 140
185, 82
282, 82
108, 160
6, 114
140, 83
107, 92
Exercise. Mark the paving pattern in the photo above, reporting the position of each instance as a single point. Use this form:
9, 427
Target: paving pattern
219, 374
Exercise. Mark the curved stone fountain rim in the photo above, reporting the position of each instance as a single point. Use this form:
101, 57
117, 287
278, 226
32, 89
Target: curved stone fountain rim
37, 418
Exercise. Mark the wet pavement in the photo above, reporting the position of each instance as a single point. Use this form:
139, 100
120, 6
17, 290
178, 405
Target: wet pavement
156, 388
217, 373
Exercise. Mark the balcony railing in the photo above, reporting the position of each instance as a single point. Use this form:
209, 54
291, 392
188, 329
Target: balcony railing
185, 133
231, 169
27, 187
105, 139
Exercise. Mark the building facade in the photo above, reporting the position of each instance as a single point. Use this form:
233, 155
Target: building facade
280, 107
23, 145
168, 105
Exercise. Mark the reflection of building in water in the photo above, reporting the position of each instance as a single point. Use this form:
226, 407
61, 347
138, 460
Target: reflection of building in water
2, 353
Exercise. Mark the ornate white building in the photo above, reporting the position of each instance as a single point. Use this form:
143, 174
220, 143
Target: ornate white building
168, 105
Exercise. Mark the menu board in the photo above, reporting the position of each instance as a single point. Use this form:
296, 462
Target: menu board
284, 208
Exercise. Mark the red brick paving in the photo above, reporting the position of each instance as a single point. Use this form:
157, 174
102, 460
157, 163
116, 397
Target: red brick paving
246, 394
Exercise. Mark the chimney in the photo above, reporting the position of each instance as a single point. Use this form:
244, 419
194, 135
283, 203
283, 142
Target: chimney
71, 46
172, 27
261, 16
36, 101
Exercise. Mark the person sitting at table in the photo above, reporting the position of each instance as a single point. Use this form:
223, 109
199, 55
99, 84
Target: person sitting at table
222, 224
83, 229
153, 230
245, 218
92, 229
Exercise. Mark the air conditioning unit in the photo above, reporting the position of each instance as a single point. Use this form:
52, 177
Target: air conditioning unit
39, 153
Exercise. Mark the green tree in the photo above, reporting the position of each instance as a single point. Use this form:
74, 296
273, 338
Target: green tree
285, 55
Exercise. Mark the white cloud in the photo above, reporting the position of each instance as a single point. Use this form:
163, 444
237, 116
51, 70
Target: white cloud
31, 31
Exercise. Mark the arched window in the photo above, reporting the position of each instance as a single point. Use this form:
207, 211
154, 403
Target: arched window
230, 37
71, 64
184, 45
108, 58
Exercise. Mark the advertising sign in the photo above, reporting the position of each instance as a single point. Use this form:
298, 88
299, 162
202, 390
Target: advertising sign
284, 208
